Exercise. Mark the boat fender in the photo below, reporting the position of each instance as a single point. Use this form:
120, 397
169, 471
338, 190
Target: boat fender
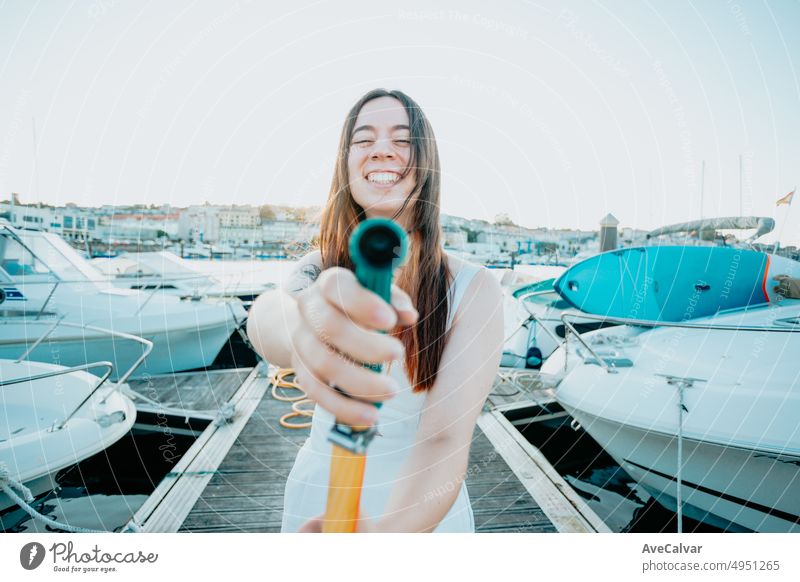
787, 287
534, 358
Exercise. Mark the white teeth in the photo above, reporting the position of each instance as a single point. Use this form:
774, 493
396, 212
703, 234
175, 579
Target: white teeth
383, 177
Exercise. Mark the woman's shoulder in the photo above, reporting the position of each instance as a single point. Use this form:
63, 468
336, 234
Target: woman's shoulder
472, 281
477, 295
457, 264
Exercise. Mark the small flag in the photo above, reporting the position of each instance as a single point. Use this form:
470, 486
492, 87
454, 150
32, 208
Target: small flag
786, 199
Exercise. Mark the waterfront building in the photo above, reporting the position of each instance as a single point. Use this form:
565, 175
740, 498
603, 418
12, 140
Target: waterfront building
70, 222
220, 224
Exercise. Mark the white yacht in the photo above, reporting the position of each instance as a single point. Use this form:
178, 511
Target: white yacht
53, 417
45, 280
701, 411
171, 274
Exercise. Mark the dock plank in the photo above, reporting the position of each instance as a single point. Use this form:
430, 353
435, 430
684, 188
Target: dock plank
199, 390
245, 493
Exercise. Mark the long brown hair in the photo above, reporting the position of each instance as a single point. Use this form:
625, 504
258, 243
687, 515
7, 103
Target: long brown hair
426, 276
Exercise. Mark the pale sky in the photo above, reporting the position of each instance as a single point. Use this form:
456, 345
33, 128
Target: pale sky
555, 113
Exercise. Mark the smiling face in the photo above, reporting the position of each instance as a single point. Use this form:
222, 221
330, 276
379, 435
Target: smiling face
379, 156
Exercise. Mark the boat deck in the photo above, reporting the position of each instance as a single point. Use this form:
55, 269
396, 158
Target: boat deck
233, 478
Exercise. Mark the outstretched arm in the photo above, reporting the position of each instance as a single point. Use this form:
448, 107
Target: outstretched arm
313, 321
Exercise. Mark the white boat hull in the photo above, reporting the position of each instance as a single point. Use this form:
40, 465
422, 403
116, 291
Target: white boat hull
172, 275
33, 445
185, 334
731, 488
740, 391
175, 349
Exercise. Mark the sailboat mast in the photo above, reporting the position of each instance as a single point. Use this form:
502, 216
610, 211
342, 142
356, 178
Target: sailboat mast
702, 194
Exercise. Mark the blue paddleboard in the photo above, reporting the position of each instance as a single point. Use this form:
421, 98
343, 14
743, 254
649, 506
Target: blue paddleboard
672, 283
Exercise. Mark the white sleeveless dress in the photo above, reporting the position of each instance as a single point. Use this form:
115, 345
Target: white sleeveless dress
307, 485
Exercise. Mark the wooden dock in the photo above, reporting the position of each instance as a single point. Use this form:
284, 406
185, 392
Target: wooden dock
235, 479
206, 390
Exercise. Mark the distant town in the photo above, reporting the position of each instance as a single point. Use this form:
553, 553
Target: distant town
271, 231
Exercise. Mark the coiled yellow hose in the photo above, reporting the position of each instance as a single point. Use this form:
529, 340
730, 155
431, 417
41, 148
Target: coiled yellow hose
279, 381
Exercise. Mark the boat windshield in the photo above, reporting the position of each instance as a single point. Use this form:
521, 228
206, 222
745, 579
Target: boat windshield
19, 263
166, 263
65, 261
541, 293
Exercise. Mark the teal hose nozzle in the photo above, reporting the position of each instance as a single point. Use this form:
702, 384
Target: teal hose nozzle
377, 247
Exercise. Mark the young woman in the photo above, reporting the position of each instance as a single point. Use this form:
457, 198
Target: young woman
446, 333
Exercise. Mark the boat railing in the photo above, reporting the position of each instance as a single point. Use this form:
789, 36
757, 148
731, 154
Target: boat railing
535, 318
169, 277
163, 281
199, 294
152, 293
147, 344
147, 300
59, 424
151, 290
114, 278
786, 325
46, 301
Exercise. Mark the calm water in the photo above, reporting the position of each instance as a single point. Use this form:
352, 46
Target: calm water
104, 491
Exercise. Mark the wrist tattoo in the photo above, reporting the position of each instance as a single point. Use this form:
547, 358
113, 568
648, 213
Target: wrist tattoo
305, 277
